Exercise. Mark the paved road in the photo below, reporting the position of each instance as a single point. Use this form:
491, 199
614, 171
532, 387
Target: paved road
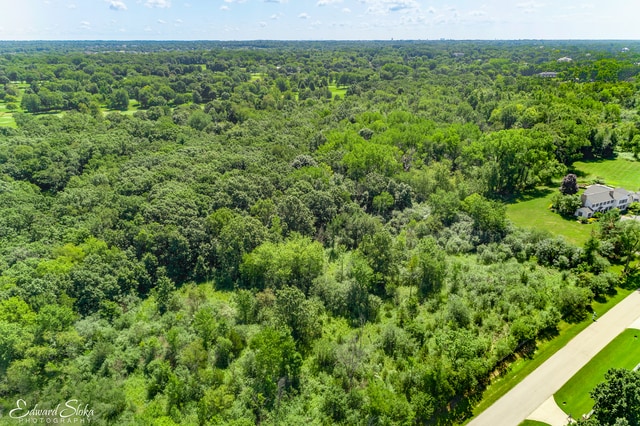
537, 387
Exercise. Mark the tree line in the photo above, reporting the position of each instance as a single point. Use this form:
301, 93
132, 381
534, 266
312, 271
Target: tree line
219, 238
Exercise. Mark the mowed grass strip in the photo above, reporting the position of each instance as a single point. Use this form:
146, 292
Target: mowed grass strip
532, 211
533, 423
621, 172
622, 352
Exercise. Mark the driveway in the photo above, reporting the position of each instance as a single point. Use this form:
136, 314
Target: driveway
541, 384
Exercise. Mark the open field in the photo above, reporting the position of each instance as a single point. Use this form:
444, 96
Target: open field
622, 352
621, 172
532, 211
6, 117
339, 91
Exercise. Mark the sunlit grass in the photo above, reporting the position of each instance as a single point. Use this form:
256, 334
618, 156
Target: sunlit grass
622, 352
532, 211
336, 90
6, 118
621, 172
533, 423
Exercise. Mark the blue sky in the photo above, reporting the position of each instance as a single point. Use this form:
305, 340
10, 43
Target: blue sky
317, 19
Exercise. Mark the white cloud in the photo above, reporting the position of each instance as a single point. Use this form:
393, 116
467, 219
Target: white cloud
275, 1
71, 6
304, 15
85, 25
224, 7
263, 24
160, 4
384, 7
529, 6
346, 10
161, 21
117, 5
326, 2
147, 29
178, 21
478, 13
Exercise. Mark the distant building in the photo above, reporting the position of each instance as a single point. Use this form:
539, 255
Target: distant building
565, 59
458, 54
548, 74
602, 198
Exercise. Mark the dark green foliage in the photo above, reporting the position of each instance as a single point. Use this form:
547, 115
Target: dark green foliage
270, 254
618, 397
119, 99
566, 204
569, 184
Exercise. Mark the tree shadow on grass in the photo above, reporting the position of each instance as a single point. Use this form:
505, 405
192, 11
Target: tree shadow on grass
459, 410
529, 195
631, 281
549, 333
579, 173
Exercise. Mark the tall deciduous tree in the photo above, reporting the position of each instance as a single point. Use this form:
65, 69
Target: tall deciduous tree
618, 397
119, 99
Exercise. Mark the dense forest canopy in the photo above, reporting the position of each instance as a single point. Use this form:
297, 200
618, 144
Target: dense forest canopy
290, 232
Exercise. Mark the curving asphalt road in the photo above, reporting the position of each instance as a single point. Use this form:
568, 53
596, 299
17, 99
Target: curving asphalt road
542, 383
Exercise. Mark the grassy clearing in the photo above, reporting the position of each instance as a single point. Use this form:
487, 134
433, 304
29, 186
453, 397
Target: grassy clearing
522, 367
6, 120
339, 91
622, 352
532, 211
133, 107
621, 172
6, 116
258, 76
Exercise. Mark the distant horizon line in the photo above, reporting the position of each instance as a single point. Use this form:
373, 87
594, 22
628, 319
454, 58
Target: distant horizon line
323, 40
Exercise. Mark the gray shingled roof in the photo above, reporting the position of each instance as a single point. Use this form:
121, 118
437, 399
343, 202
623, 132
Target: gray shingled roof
594, 189
599, 197
584, 210
620, 193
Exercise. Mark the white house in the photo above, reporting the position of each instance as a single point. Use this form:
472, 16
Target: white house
602, 198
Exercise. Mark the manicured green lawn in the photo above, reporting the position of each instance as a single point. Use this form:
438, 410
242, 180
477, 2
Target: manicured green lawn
532, 211
622, 352
533, 423
524, 366
621, 172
